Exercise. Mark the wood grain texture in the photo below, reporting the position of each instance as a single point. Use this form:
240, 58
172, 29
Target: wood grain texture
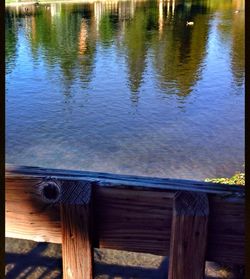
188, 236
133, 220
26, 215
226, 230
76, 218
77, 254
133, 217
114, 180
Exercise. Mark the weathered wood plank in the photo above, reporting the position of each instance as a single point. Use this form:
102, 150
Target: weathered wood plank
132, 218
188, 236
26, 215
117, 180
226, 230
76, 217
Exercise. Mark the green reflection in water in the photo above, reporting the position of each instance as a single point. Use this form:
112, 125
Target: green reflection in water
105, 56
11, 40
179, 50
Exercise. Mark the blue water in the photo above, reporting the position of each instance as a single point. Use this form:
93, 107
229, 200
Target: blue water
127, 88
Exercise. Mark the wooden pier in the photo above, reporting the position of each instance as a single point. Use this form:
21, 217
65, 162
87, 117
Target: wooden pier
189, 221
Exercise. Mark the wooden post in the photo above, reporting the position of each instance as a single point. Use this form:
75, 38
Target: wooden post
188, 236
76, 219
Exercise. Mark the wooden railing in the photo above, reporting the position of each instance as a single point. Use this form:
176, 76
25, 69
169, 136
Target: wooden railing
189, 221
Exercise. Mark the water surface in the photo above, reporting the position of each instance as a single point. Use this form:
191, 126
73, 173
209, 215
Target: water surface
127, 87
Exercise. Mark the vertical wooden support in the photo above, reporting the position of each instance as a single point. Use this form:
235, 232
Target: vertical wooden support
188, 236
76, 219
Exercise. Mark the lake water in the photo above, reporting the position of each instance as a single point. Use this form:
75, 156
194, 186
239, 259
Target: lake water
127, 87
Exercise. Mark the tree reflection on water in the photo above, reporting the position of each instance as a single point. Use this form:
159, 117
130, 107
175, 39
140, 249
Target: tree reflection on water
127, 86
68, 36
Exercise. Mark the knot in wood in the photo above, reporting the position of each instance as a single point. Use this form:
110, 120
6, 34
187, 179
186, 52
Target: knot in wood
49, 190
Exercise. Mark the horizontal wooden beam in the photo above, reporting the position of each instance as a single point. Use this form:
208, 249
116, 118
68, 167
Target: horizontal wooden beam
131, 213
114, 180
